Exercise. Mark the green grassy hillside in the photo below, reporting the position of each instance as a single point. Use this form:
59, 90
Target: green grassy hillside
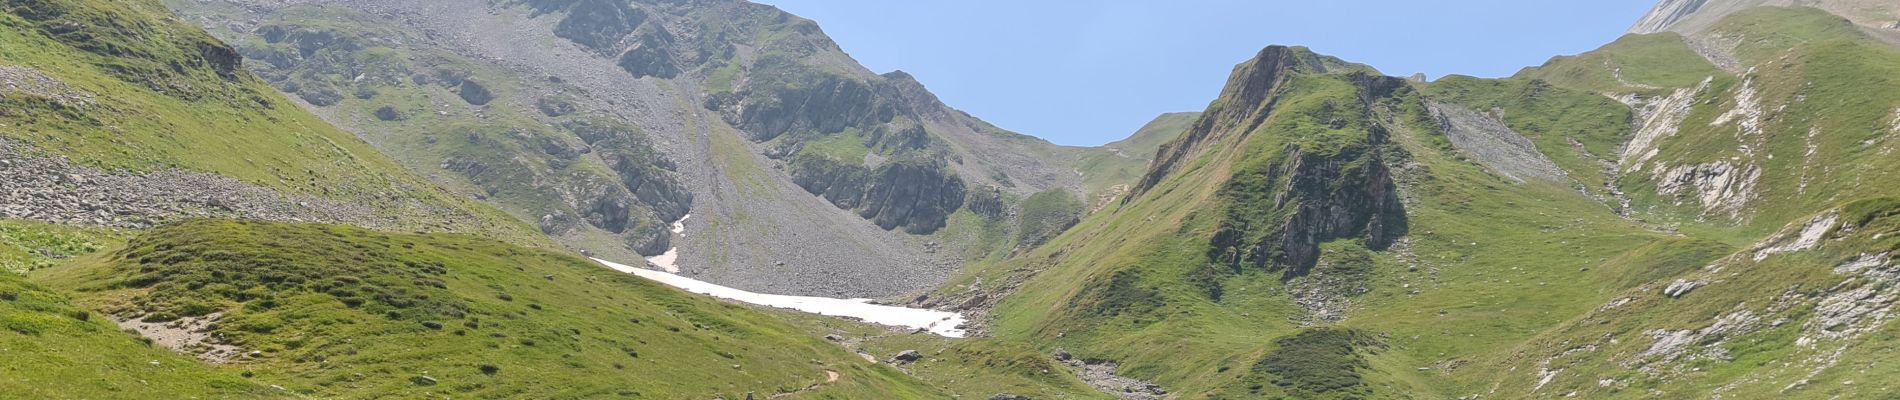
341, 312
137, 90
1123, 161
1218, 280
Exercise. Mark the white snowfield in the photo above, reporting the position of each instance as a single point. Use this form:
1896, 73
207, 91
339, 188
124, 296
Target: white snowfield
938, 322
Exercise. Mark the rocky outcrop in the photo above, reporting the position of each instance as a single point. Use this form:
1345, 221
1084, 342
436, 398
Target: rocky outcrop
913, 192
642, 170
51, 189
651, 57
599, 25
1721, 188
796, 99
1488, 141
474, 92
1325, 197
31, 82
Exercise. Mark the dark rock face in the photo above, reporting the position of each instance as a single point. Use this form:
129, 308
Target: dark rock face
388, 113
599, 25
906, 357
917, 196
474, 93
793, 99
644, 172
914, 192
556, 107
987, 202
650, 57
1324, 198
308, 41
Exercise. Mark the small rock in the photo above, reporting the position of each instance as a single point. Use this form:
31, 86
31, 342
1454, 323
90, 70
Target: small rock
1680, 288
1062, 355
1007, 396
423, 380
834, 338
906, 357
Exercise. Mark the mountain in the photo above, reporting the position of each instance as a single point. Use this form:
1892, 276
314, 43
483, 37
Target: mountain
1662, 217
803, 172
1880, 18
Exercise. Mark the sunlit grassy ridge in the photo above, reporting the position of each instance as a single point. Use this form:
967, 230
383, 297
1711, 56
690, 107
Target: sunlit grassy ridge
162, 94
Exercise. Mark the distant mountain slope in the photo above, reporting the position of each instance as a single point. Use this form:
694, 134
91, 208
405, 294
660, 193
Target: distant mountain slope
1880, 17
113, 114
1121, 162
806, 173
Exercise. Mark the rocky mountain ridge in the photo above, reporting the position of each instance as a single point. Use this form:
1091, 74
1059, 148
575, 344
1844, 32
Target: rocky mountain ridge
768, 127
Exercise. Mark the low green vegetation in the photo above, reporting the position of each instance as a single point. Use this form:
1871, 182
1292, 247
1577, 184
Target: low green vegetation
1046, 214
341, 312
55, 350
1315, 363
29, 245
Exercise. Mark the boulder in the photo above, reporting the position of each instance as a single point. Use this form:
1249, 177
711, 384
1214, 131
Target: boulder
906, 357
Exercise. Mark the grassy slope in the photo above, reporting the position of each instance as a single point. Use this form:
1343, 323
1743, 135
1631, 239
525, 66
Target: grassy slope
345, 312
1498, 266
1773, 345
1123, 161
161, 104
1495, 263
1812, 73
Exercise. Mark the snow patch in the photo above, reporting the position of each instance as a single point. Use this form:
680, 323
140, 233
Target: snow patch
942, 323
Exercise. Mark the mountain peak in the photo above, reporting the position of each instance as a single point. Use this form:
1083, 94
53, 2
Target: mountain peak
1696, 16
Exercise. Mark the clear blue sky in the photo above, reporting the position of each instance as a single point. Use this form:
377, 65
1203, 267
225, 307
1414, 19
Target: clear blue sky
1087, 72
